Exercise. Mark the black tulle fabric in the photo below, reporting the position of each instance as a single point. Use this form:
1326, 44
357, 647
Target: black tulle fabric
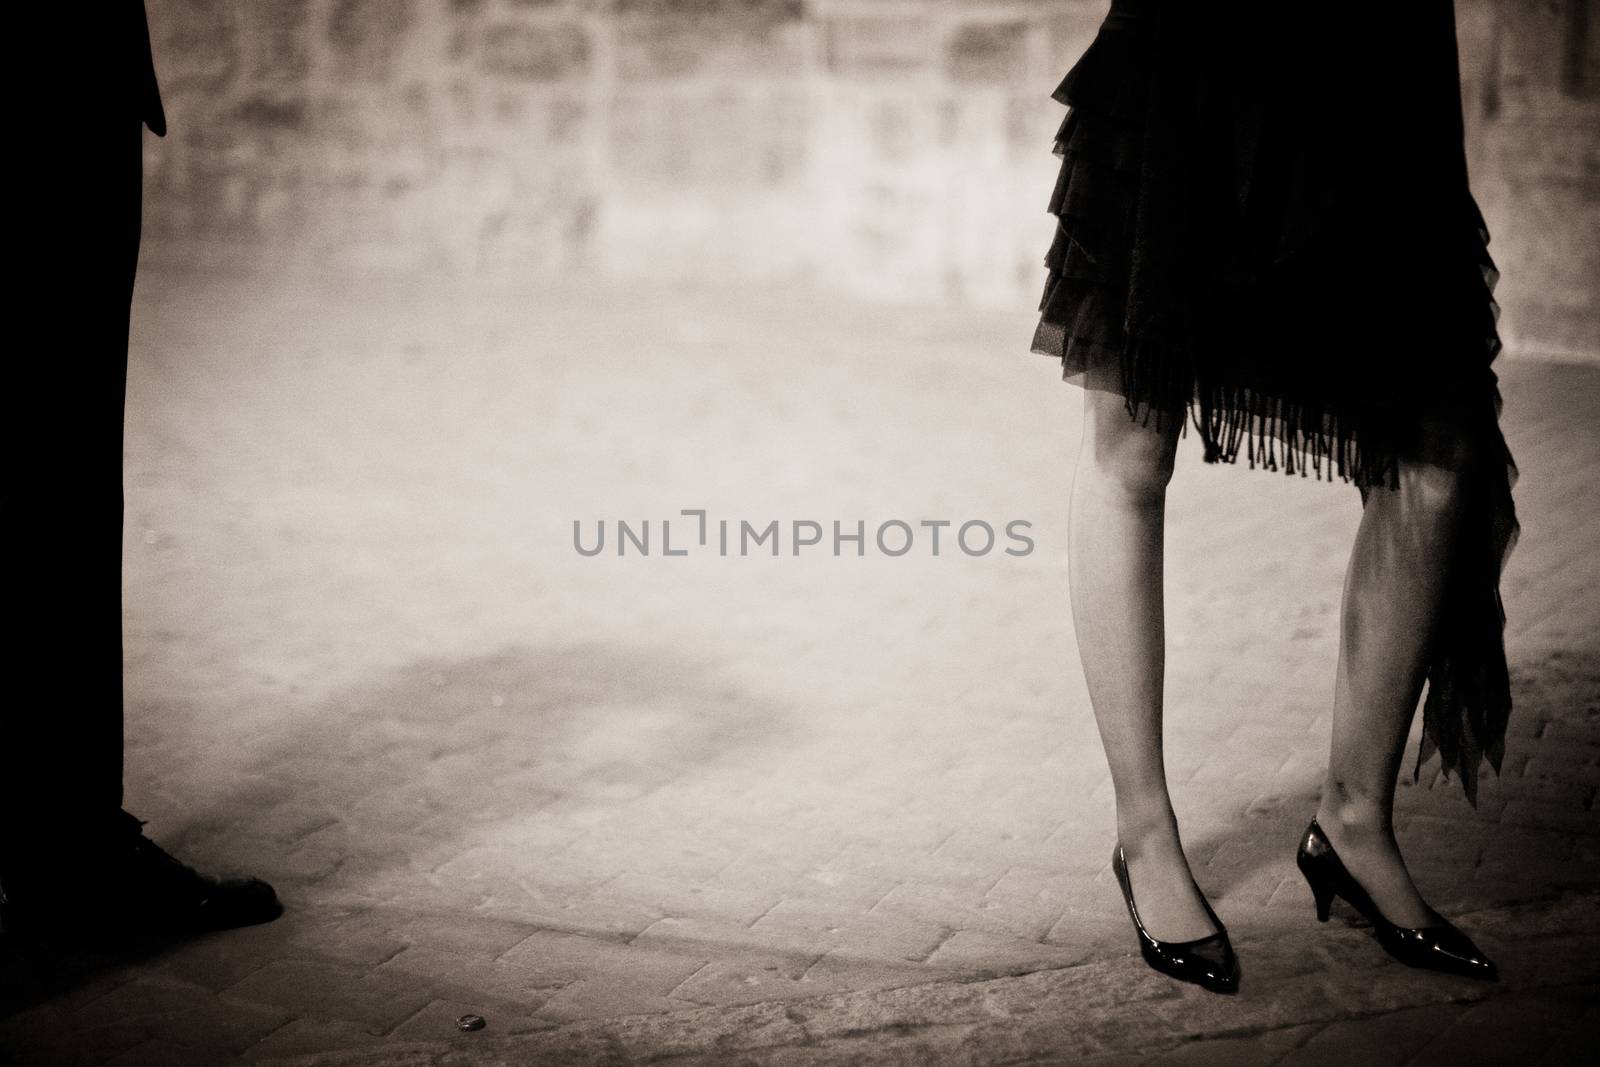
1264, 222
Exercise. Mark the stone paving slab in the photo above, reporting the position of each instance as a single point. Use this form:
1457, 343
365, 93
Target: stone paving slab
1290, 1010
488, 774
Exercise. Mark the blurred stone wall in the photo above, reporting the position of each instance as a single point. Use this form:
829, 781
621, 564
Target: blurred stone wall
1530, 72
888, 148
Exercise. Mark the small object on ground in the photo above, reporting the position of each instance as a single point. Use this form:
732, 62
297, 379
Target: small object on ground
471, 1022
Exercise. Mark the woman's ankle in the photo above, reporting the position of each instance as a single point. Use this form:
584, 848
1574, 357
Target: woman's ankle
1145, 824
1353, 817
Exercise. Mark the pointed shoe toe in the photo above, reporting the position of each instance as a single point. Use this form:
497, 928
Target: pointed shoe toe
1209, 963
1439, 948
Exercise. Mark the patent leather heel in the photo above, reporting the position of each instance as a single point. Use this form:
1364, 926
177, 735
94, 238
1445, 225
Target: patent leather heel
1324, 898
1208, 962
1440, 947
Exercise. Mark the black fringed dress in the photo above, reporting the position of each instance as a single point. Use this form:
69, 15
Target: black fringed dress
1264, 221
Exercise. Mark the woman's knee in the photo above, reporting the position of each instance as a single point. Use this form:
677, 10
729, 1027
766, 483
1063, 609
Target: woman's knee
1434, 483
1133, 456
1431, 493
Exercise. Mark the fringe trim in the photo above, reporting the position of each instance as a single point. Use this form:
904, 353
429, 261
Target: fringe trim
1272, 432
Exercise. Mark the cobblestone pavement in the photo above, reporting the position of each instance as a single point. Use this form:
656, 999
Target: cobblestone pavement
767, 810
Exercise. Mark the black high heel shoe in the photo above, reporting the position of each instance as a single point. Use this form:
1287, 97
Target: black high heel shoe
1440, 947
1208, 962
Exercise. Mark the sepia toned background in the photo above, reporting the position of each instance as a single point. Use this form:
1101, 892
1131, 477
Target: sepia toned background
884, 148
424, 283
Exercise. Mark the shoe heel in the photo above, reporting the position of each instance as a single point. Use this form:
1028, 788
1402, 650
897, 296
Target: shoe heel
1321, 893
1324, 899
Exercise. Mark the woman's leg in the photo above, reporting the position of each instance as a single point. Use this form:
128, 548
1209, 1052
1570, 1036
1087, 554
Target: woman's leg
1392, 593
1114, 559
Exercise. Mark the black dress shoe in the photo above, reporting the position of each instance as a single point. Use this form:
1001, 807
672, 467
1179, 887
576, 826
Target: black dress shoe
1439, 947
177, 897
121, 883
1208, 962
